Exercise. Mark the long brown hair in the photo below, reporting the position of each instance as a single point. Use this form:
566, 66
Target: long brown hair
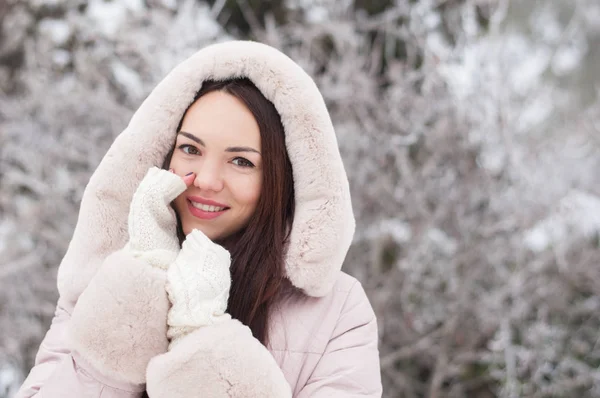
258, 251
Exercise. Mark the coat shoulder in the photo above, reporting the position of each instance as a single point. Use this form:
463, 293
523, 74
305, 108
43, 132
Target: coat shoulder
345, 283
303, 327
356, 299
306, 324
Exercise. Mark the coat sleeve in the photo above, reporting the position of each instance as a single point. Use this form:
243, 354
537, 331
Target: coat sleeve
350, 365
222, 360
102, 349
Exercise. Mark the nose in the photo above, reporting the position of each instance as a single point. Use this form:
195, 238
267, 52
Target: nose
209, 177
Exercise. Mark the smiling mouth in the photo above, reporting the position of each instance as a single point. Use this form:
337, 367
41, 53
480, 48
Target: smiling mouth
205, 212
207, 208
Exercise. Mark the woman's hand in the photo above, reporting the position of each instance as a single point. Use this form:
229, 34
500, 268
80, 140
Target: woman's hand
120, 320
152, 222
198, 285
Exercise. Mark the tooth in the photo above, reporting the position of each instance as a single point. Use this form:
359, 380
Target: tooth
207, 207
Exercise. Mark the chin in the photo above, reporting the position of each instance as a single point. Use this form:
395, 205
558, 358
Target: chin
217, 235
212, 235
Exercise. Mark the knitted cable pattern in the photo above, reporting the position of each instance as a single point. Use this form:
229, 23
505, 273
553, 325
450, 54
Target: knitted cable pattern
198, 284
152, 223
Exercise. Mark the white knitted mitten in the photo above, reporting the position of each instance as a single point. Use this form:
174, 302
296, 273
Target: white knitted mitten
198, 285
152, 221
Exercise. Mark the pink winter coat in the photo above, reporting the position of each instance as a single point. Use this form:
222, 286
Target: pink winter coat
108, 336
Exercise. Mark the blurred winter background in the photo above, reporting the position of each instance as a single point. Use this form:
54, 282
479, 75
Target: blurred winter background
470, 130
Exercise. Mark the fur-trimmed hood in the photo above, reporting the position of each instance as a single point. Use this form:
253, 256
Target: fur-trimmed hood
324, 223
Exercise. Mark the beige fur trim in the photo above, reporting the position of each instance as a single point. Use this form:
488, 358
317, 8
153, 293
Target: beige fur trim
120, 320
221, 360
324, 222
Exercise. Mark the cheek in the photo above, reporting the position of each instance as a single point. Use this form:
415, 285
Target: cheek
248, 192
176, 164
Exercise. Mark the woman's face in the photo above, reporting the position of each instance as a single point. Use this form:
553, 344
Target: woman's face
220, 142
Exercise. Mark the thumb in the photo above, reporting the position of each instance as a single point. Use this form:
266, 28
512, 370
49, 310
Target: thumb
189, 178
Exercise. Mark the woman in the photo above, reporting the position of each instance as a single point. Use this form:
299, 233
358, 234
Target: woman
236, 293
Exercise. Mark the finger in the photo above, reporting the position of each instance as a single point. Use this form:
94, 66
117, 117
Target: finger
189, 178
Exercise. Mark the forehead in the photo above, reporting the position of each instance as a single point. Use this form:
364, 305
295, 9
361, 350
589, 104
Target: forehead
220, 117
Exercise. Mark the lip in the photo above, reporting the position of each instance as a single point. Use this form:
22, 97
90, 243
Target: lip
201, 214
203, 201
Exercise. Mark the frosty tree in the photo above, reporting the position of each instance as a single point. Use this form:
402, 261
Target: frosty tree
469, 130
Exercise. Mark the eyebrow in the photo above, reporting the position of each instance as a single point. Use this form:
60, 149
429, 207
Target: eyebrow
230, 149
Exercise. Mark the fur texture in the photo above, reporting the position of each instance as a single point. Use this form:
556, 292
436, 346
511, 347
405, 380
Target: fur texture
116, 328
324, 222
120, 332
221, 360
324, 347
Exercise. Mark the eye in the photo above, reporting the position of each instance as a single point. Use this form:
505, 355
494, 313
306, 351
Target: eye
189, 149
242, 162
